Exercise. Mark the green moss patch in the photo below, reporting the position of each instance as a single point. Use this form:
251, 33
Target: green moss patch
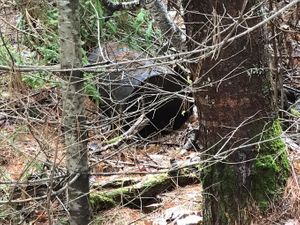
101, 202
271, 167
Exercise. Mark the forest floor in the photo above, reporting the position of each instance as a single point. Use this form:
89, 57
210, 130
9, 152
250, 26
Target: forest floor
25, 147
28, 143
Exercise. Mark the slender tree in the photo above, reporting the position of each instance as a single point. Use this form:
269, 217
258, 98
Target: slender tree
246, 162
73, 112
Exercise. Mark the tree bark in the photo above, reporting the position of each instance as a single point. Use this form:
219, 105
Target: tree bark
246, 159
73, 112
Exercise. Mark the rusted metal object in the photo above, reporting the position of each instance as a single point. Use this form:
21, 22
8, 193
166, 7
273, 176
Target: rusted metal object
141, 87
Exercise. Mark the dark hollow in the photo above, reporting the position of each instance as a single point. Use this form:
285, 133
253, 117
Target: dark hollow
156, 91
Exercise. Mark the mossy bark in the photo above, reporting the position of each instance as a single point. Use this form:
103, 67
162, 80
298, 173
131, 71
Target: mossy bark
246, 160
270, 169
241, 187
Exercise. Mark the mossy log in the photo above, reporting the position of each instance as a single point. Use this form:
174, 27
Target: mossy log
140, 194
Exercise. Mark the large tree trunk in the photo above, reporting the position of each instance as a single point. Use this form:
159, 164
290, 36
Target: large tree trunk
73, 112
234, 97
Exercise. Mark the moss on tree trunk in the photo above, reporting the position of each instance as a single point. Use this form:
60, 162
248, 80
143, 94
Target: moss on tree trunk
239, 188
270, 169
246, 160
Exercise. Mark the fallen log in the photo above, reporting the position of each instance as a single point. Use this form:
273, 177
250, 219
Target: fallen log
141, 194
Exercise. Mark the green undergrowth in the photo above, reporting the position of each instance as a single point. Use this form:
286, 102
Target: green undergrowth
39, 23
41, 29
